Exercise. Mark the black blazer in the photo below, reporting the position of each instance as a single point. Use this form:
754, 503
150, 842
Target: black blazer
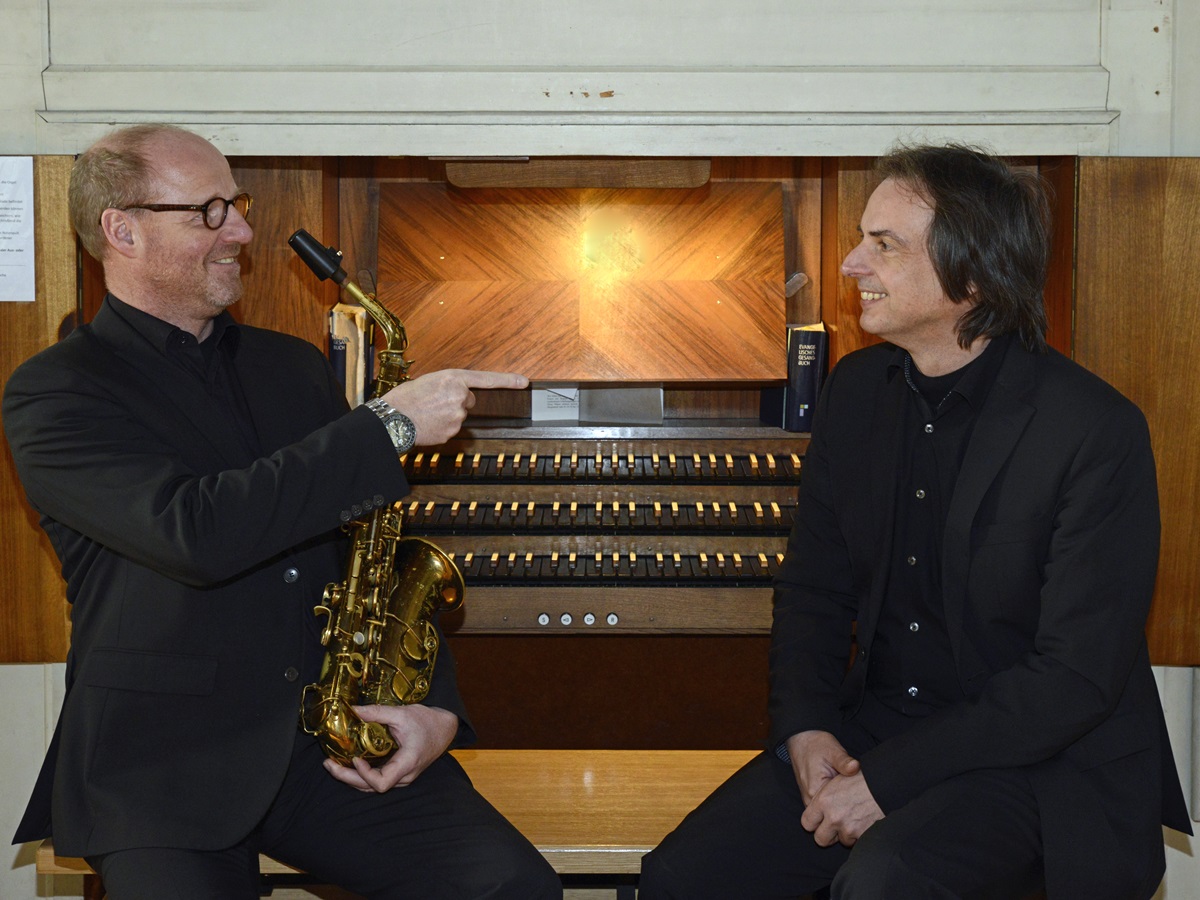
1049, 560
192, 570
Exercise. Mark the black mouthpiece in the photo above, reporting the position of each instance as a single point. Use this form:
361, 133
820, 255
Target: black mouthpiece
324, 261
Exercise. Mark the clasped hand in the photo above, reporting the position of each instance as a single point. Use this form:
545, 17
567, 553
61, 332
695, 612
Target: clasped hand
838, 804
421, 733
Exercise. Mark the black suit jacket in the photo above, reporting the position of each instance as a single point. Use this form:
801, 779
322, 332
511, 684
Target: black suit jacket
1049, 560
192, 570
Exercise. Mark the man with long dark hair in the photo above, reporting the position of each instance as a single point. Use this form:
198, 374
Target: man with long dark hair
977, 536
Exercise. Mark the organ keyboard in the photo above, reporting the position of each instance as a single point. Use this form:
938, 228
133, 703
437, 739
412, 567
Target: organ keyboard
675, 528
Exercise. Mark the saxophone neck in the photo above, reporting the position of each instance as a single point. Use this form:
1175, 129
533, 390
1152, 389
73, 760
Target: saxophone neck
394, 334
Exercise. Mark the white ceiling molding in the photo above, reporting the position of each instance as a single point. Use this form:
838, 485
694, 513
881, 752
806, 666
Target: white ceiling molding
508, 111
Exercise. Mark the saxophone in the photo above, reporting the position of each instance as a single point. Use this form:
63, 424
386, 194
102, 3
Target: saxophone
379, 633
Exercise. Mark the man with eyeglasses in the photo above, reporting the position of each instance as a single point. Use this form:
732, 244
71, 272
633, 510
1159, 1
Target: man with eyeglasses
192, 475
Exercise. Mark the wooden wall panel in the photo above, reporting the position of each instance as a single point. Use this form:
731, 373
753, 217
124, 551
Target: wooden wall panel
591, 285
1137, 325
849, 182
34, 617
1060, 174
280, 291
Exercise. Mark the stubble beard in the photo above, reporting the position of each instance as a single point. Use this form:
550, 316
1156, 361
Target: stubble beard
203, 292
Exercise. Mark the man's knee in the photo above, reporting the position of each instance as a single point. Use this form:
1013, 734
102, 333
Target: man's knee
668, 876
531, 882
520, 876
658, 881
876, 868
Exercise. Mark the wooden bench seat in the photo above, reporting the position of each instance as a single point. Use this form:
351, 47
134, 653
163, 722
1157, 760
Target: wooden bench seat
588, 812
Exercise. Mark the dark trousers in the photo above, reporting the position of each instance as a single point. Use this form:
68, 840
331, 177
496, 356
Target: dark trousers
436, 838
974, 836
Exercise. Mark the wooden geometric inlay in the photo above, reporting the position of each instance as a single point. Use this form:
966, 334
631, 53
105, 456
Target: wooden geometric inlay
588, 285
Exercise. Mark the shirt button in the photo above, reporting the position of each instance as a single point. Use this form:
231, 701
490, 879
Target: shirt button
291, 673
929, 428
379, 499
344, 515
914, 626
291, 576
912, 560
920, 494
912, 692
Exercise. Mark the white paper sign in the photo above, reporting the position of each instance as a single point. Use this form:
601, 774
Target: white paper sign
16, 228
555, 402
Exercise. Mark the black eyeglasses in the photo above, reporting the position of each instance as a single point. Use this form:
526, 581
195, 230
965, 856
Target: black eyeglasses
215, 210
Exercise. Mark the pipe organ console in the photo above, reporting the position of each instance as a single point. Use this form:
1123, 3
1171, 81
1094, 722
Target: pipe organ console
603, 529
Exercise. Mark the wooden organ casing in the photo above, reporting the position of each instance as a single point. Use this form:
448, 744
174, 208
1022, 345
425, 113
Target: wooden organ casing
612, 570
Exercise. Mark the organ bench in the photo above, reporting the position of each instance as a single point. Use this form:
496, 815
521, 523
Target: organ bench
591, 813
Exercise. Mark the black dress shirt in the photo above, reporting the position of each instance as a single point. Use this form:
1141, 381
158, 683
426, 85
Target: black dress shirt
912, 671
206, 366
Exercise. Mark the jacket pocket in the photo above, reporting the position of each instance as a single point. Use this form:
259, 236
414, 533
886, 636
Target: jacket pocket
161, 673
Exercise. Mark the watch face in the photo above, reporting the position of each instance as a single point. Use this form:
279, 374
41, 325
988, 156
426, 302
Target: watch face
404, 432
400, 427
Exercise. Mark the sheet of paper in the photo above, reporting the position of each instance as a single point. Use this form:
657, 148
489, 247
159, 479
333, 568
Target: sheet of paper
16, 228
555, 402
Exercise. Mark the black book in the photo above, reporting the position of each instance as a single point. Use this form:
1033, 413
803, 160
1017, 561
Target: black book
791, 407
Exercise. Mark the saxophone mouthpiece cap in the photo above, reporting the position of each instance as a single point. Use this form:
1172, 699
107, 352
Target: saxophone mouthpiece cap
325, 262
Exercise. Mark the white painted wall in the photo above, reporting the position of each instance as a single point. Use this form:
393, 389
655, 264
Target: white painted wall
531, 77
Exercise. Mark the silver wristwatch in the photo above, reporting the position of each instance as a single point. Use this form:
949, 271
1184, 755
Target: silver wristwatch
400, 427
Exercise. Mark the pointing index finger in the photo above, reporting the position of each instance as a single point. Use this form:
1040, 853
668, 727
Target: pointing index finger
480, 379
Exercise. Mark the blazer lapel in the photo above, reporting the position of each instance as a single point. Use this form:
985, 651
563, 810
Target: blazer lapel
1003, 418
880, 496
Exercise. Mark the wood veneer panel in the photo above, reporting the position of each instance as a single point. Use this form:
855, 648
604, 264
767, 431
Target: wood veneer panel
34, 619
580, 172
1060, 175
280, 290
1137, 325
590, 285
848, 185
